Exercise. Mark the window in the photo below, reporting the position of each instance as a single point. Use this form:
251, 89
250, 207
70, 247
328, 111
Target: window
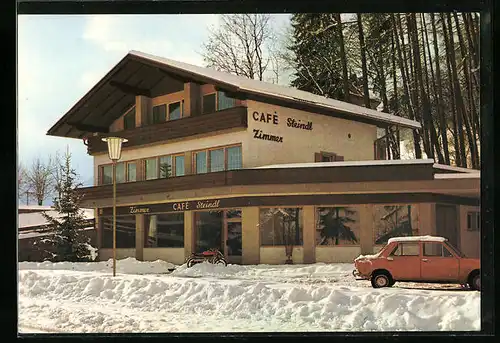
209, 104
131, 171
280, 226
125, 232
208, 232
159, 114
166, 167
473, 221
129, 119
337, 226
179, 165
107, 174
164, 230
201, 162
150, 169
174, 110
394, 221
234, 158
433, 249
120, 172
327, 157
216, 160
223, 101
406, 249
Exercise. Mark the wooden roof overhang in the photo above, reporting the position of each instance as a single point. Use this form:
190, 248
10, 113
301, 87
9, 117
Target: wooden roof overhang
137, 75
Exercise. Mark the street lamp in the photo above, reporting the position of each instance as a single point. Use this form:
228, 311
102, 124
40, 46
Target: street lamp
114, 154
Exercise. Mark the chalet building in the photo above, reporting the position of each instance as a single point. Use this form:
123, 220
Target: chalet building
215, 160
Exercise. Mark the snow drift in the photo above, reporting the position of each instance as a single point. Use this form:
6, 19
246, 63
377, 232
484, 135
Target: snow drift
78, 297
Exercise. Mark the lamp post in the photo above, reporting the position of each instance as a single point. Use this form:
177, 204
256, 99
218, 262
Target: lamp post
114, 154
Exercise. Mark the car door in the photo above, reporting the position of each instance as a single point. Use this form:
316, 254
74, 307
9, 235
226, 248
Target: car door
404, 261
438, 263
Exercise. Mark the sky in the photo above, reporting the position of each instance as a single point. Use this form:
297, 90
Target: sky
61, 57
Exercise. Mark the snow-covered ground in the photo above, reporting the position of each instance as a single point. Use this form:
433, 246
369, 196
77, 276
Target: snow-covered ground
145, 297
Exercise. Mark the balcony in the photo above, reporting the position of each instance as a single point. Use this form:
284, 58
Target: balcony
249, 177
230, 118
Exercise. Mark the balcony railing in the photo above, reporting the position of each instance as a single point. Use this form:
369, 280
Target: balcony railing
230, 118
245, 177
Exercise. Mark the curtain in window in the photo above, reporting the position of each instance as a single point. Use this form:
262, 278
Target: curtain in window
151, 169
201, 162
216, 160
179, 165
224, 101
234, 158
132, 176
174, 111
107, 174
120, 172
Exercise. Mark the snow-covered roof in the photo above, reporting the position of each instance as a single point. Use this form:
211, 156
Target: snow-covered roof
34, 208
417, 239
455, 169
247, 85
33, 234
458, 176
346, 164
32, 219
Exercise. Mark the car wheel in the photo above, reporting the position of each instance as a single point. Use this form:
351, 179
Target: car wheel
391, 283
476, 282
381, 280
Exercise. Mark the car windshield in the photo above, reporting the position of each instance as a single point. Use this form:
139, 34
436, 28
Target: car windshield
458, 252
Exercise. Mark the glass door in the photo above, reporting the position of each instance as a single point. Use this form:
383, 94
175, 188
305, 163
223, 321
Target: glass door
233, 236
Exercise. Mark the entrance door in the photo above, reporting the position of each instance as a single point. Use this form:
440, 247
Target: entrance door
220, 229
446, 223
233, 236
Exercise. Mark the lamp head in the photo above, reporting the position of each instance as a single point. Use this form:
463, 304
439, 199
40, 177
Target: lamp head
114, 147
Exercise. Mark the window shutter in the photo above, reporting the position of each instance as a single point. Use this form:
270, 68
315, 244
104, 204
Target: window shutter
317, 157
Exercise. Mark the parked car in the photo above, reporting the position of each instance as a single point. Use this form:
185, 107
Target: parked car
418, 259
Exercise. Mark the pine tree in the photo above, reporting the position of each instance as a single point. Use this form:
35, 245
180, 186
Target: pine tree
316, 47
68, 242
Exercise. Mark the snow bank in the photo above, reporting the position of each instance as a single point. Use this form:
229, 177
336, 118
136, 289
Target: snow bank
86, 302
282, 273
126, 266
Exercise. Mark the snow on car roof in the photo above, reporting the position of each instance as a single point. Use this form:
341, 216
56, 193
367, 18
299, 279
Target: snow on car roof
417, 238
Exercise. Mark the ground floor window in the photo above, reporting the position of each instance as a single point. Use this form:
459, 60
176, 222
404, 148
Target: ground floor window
125, 232
280, 226
394, 221
164, 230
337, 225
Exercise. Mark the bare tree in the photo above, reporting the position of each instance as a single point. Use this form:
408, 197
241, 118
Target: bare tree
23, 187
241, 45
39, 179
